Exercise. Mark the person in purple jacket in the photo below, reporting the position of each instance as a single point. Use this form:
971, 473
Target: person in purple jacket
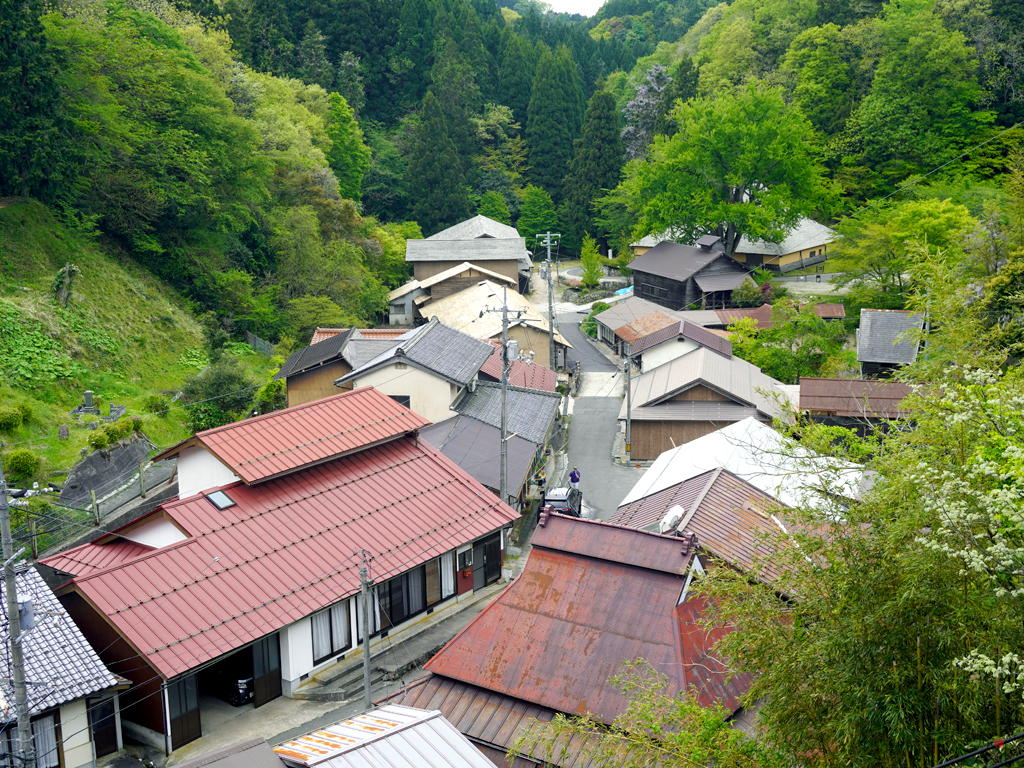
574, 478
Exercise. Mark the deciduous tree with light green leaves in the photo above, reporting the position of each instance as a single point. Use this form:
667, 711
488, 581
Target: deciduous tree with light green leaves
876, 247
492, 205
592, 270
536, 215
740, 164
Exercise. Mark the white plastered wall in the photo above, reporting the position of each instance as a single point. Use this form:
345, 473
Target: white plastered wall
666, 352
199, 470
74, 729
429, 395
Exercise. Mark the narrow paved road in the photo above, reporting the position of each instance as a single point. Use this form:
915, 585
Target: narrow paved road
590, 359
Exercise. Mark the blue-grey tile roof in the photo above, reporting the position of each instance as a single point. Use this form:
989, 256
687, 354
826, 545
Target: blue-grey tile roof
885, 335
315, 354
60, 665
530, 411
434, 347
476, 447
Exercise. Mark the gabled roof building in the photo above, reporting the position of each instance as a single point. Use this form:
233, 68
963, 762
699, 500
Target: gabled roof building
426, 370
409, 302
693, 395
247, 584
887, 339
481, 241
591, 597
686, 277
528, 327
72, 696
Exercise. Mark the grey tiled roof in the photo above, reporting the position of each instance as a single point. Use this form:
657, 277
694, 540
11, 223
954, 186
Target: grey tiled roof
530, 411
878, 334
675, 261
472, 250
314, 355
478, 226
60, 665
806, 234
435, 347
476, 447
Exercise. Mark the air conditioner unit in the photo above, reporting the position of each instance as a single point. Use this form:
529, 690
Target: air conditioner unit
671, 519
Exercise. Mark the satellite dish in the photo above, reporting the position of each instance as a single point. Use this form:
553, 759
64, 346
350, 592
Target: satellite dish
671, 519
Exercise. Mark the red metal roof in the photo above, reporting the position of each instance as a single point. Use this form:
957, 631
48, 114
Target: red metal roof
97, 557
531, 376
285, 550
573, 618
283, 441
854, 398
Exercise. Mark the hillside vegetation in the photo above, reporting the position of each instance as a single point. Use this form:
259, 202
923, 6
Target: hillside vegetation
124, 334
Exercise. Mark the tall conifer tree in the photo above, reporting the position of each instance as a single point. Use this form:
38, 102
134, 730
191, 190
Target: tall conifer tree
553, 120
441, 197
409, 67
596, 167
29, 137
454, 84
515, 75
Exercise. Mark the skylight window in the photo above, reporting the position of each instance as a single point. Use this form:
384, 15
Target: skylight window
220, 499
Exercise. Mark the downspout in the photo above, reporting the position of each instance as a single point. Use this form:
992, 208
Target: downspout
165, 704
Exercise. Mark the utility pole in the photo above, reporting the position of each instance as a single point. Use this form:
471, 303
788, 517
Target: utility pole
629, 408
365, 582
25, 747
551, 299
503, 479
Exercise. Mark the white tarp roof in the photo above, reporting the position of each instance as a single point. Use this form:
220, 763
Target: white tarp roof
764, 458
392, 736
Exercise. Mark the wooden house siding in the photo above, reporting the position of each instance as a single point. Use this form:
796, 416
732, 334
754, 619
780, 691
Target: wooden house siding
701, 393
316, 383
426, 269
653, 438
686, 294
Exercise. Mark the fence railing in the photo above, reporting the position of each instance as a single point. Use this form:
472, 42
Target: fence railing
265, 348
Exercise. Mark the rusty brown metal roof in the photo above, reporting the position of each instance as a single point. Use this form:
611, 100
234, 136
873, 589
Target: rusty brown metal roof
854, 398
592, 596
830, 311
643, 326
761, 315
729, 515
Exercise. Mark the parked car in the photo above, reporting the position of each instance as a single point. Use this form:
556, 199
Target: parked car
566, 501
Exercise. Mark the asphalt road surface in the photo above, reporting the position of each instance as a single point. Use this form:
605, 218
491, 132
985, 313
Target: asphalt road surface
582, 349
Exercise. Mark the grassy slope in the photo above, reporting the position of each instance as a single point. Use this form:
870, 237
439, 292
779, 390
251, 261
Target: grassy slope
124, 335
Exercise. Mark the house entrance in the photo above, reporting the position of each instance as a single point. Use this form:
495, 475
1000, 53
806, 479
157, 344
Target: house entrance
486, 561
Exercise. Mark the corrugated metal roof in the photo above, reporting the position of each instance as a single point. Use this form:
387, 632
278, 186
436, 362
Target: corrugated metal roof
530, 411
830, 311
285, 550
447, 274
711, 283
476, 447
805, 235
433, 347
758, 454
568, 623
98, 557
255, 753
366, 333
692, 410
762, 315
392, 736
283, 441
642, 326
678, 262
888, 336
733, 377
462, 310
730, 516
629, 310
483, 716
521, 373
472, 250
60, 665
686, 330
478, 226
855, 398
